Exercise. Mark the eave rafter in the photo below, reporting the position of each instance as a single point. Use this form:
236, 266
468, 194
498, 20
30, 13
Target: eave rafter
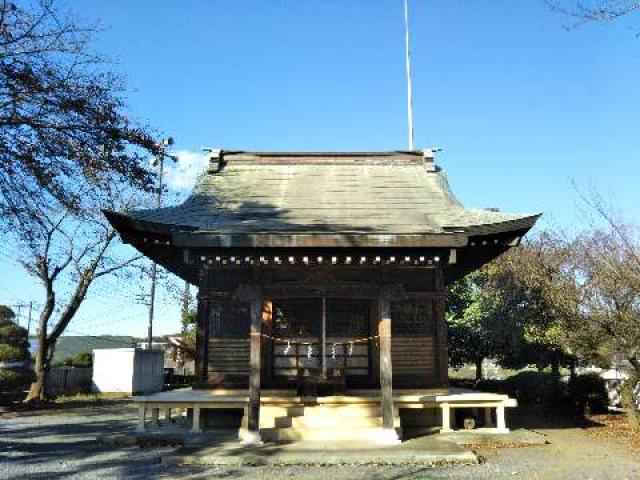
228, 261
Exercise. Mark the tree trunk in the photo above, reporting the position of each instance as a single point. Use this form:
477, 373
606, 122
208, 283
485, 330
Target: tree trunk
572, 367
555, 374
47, 343
37, 390
628, 399
555, 368
479, 373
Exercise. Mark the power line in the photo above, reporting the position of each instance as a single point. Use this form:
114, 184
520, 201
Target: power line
111, 322
11, 292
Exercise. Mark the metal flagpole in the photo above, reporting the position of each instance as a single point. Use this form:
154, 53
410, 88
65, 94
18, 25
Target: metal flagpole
408, 65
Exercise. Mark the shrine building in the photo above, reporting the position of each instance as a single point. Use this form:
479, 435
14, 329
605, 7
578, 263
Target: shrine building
321, 284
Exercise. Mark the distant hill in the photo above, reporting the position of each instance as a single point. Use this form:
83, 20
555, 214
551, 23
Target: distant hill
71, 345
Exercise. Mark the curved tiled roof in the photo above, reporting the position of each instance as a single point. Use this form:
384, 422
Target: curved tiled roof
388, 193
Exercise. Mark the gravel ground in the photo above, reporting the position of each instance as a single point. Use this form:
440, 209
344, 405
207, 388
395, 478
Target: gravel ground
61, 445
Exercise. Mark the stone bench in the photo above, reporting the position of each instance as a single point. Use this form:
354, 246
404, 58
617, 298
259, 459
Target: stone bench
486, 401
195, 401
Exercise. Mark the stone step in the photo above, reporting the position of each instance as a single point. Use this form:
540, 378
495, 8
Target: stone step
367, 434
269, 414
274, 412
327, 421
340, 411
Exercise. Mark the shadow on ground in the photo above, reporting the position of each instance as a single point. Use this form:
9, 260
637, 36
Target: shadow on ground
534, 417
49, 447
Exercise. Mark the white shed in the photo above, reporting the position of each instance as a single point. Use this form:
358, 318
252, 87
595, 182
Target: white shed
127, 370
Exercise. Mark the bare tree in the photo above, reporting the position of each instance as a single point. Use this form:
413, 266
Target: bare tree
60, 111
608, 269
594, 10
67, 252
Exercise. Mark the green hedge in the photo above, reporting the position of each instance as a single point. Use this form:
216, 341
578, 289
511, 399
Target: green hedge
492, 386
12, 354
535, 388
527, 387
589, 390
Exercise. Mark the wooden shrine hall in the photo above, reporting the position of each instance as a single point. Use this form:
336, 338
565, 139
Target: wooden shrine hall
321, 281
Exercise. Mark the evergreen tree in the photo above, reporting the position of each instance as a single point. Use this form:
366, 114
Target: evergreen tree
15, 371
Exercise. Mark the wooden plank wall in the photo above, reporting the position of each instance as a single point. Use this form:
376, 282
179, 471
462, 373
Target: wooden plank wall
228, 358
415, 358
415, 361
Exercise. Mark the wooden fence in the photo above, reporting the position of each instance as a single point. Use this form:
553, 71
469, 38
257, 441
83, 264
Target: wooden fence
69, 381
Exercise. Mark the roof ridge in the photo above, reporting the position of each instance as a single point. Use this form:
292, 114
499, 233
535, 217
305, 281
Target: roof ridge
219, 158
336, 153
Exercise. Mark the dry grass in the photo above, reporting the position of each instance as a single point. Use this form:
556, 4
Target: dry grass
615, 427
64, 403
90, 398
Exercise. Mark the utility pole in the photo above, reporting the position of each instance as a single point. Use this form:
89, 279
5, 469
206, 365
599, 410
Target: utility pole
186, 301
29, 319
19, 308
159, 162
186, 297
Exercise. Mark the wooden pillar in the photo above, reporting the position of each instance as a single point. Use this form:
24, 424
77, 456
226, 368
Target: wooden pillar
202, 329
253, 295
323, 345
267, 343
374, 346
441, 331
386, 376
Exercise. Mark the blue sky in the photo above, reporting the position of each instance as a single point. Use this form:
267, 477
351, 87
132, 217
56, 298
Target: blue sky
521, 105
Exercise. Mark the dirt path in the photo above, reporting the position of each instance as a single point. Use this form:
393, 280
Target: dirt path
571, 454
61, 445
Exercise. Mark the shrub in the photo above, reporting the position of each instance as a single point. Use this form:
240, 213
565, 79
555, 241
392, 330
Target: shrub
462, 383
9, 353
492, 386
589, 390
81, 360
535, 387
13, 335
84, 359
6, 315
5, 322
12, 379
